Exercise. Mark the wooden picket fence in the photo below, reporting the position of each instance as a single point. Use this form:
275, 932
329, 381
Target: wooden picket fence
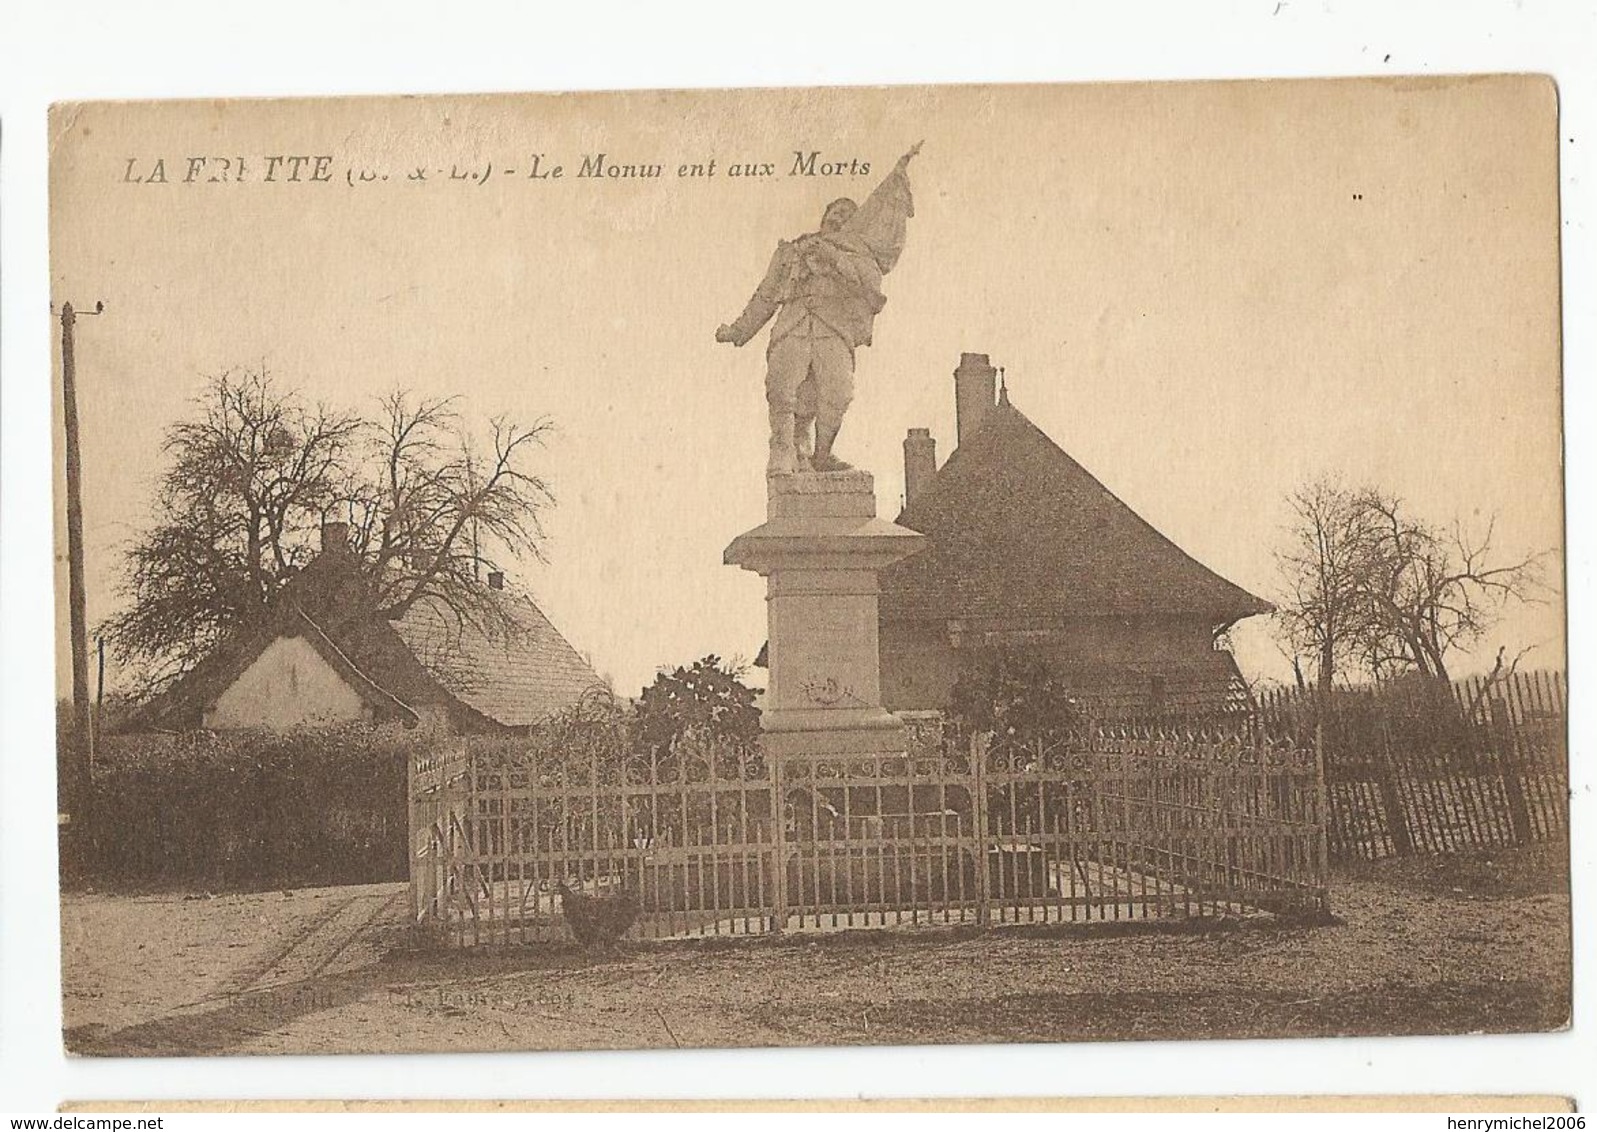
1411, 769
1106, 823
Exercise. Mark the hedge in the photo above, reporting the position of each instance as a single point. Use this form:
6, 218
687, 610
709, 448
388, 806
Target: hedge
251, 809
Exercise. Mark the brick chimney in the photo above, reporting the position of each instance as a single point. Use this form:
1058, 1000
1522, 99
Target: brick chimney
496, 579
335, 537
975, 389
920, 462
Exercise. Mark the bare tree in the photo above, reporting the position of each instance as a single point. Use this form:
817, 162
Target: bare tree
1369, 586
1432, 591
255, 471
440, 511
1322, 610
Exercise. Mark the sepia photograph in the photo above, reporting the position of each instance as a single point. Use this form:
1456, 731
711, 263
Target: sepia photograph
810, 566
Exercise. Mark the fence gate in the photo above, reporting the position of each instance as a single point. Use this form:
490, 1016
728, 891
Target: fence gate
1097, 824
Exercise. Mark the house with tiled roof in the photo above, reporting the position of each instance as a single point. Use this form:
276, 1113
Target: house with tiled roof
1027, 552
323, 656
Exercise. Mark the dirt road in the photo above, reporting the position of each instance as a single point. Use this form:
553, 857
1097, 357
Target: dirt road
1462, 945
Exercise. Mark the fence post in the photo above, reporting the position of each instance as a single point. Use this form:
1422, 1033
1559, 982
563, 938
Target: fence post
1385, 767
1322, 803
471, 833
411, 825
978, 764
1504, 754
779, 858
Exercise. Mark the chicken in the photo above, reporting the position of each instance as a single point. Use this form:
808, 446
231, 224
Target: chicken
598, 919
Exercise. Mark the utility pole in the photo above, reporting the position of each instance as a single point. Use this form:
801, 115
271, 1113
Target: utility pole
79, 812
99, 692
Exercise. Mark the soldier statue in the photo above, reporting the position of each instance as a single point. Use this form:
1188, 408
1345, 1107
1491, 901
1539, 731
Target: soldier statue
827, 286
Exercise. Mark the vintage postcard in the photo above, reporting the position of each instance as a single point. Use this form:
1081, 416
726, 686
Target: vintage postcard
810, 567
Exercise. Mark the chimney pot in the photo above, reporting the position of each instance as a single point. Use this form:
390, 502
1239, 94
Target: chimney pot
496, 579
335, 537
920, 462
975, 390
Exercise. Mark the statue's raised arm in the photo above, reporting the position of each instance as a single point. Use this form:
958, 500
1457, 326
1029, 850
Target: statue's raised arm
881, 222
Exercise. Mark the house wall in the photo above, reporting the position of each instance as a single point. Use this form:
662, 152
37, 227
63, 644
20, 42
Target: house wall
1138, 661
918, 665
288, 685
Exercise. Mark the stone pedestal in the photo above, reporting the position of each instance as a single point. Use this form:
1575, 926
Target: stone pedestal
820, 550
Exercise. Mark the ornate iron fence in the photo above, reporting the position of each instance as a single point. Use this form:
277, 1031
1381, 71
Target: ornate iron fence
1105, 823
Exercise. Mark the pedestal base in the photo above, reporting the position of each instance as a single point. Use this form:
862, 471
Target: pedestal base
785, 746
820, 551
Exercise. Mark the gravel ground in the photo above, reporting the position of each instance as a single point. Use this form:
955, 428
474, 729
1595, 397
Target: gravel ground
1441, 945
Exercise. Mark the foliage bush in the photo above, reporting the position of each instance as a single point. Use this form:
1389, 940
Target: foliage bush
329, 806
1013, 694
686, 747
707, 698
251, 809
689, 714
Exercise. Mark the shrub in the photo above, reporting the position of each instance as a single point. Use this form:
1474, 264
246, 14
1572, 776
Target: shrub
1012, 694
707, 699
252, 809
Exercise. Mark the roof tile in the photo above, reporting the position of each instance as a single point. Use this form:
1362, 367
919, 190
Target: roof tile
1016, 528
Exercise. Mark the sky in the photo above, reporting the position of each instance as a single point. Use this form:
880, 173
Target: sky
1206, 293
